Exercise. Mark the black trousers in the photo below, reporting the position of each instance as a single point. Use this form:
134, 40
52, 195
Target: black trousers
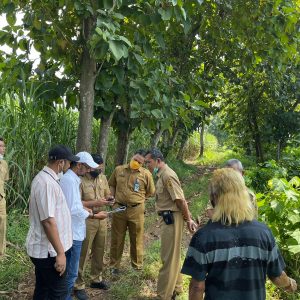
49, 285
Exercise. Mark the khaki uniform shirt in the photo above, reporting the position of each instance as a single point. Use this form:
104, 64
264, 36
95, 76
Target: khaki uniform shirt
4, 176
168, 189
94, 188
123, 180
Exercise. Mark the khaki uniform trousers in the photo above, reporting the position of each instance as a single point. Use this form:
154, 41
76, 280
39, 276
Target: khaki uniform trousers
133, 219
2, 225
169, 277
96, 232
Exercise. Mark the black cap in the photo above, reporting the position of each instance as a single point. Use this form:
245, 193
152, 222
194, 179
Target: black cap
97, 159
62, 152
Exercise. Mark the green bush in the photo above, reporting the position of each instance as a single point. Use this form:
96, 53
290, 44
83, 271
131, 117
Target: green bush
193, 147
280, 209
259, 176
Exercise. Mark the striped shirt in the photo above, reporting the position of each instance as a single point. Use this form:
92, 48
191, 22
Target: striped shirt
47, 201
233, 260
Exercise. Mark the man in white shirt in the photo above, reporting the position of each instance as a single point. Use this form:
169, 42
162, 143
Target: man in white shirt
70, 184
50, 233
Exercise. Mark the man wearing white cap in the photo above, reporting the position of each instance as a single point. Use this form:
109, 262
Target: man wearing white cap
70, 184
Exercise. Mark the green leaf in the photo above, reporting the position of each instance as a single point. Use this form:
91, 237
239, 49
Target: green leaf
116, 48
119, 72
157, 114
294, 218
183, 13
118, 16
139, 58
11, 19
123, 38
296, 235
202, 103
9, 8
166, 14
160, 40
295, 249
108, 4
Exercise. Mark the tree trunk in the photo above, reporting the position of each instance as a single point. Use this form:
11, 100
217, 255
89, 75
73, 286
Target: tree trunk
155, 138
201, 140
252, 115
278, 154
174, 138
87, 92
122, 146
104, 135
184, 140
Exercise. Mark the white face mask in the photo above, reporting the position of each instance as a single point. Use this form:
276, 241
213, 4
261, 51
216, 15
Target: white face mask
1, 157
60, 175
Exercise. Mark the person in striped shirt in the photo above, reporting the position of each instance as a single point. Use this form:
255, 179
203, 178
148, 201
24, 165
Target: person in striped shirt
50, 233
231, 257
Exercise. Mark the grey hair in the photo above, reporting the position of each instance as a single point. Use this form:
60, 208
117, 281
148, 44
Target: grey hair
231, 163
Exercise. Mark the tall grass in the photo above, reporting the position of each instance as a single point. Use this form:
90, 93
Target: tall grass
29, 132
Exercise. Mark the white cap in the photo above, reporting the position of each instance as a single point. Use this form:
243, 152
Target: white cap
86, 158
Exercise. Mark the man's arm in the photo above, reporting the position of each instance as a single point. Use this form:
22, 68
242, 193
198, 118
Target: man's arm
182, 205
95, 203
150, 189
196, 289
285, 282
51, 231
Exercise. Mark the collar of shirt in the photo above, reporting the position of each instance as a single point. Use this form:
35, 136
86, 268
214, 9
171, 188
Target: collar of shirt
162, 170
51, 172
73, 175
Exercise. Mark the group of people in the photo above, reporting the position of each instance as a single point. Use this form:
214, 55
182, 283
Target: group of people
68, 221
228, 258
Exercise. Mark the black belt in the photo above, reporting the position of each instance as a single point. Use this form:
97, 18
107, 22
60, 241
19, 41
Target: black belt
161, 212
133, 205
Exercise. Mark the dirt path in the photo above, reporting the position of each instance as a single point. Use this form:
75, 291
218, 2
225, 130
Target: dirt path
25, 288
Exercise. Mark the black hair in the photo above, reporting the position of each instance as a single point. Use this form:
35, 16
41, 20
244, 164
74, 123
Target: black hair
1, 139
97, 158
141, 152
155, 154
73, 164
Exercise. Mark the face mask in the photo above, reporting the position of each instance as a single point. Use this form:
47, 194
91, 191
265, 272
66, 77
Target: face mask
155, 171
1, 156
60, 175
134, 165
95, 173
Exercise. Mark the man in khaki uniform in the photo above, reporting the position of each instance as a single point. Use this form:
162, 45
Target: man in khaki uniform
94, 192
173, 209
4, 176
130, 184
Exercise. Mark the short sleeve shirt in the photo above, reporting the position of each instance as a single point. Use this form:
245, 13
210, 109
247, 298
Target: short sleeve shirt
47, 201
123, 180
233, 260
168, 189
4, 176
94, 188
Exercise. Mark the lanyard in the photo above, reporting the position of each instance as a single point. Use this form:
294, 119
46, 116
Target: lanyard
52, 177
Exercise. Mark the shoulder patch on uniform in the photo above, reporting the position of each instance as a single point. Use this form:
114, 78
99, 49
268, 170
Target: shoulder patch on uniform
169, 183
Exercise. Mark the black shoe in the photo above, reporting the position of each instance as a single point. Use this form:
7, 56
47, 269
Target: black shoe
175, 294
81, 295
115, 272
102, 285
